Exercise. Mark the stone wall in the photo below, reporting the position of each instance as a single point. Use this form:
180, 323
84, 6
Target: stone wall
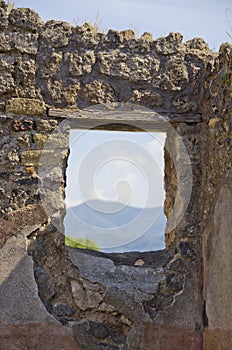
81, 299
217, 199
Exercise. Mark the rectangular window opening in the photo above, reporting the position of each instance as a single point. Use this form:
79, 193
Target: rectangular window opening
115, 191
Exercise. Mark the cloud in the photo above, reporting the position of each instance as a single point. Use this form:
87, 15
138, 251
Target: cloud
126, 185
116, 166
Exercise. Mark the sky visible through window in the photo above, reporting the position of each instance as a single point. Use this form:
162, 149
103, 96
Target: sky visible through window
115, 190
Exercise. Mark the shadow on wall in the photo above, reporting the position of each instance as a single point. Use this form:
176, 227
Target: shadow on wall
24, 320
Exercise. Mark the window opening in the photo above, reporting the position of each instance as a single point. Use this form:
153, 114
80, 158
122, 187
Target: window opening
115, 191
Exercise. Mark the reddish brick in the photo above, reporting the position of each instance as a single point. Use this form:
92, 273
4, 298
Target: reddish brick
22, 125
36, 336
14, 221
167, 337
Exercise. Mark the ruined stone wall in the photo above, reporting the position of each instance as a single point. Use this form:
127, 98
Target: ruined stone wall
74, 299
67, 66
216, 199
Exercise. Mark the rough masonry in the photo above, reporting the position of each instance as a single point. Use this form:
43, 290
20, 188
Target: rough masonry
55, 296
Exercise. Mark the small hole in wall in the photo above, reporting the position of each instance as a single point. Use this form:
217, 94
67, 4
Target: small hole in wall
115, 191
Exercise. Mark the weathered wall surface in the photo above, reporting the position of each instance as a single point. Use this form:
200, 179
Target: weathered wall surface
217, 199
63, 293
75, 66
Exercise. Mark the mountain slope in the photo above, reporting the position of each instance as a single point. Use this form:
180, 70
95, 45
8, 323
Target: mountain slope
116, 227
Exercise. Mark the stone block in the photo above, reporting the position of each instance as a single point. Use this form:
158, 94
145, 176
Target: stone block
174, 76
24, 77
80, 64
24, 141
25, 43
197, 44
31, 158
26, 106
51, 62
7, 84
146, 36
25, 18
40, 140
85, 37
61, 93
170, 45
127, 34
128, 66
22, 125
46, 125
97, 92
56, 33
44, 158
3, 14
57, 141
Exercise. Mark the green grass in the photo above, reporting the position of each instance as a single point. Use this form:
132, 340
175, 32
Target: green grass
83, 243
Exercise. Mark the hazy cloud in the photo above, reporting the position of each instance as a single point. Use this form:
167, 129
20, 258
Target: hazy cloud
116, 166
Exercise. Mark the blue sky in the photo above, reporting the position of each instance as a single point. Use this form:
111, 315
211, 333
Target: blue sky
198, 18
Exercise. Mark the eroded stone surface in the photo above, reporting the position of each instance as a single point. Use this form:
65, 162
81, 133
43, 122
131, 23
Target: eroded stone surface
25, 106
218, 285
56, 33
126, 286
22, 42
19, 300
218, 339
118, 64
3, 14
53, 60
18, 219
25, 18
103, 271
169, 45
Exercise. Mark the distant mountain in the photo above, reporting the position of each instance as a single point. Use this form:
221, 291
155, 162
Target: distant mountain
116, 227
